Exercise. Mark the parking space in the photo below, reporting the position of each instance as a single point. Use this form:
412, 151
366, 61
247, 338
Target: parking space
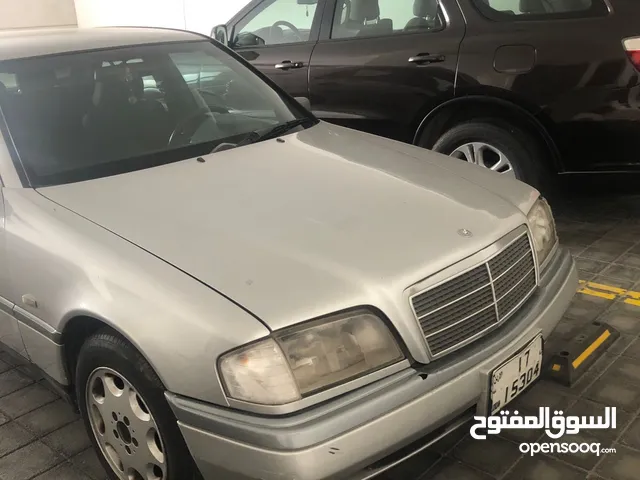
40, 436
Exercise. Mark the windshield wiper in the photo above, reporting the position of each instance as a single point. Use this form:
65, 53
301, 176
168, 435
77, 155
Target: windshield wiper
264, 134
283, 128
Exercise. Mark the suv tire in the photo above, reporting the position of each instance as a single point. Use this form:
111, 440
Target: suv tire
520, 148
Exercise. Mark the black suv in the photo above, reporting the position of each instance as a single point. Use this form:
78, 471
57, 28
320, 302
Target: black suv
524, 87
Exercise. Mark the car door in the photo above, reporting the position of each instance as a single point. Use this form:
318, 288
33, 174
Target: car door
277, 37
10, 335
381, 65
566, 59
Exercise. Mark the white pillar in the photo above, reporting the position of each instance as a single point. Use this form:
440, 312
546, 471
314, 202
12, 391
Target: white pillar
144, 13
203, 15
195, 15
36, 13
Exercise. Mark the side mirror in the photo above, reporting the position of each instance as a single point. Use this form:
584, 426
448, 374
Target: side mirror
220, 34
248, 39
304, 101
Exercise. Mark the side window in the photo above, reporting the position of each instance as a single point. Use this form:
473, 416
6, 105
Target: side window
540, 9
362, 18
276, 22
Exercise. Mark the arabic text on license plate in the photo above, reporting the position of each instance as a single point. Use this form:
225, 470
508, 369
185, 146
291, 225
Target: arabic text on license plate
515, 375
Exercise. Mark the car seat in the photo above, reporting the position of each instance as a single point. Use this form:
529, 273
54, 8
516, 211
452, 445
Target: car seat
425, 15
532, 7
120, 118
41, 122
364, 17
155, 122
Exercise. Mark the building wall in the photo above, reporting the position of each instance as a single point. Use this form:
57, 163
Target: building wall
36, 13
203, 15
195, 15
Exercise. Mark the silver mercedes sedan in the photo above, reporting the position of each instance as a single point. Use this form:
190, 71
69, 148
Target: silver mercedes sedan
227, 287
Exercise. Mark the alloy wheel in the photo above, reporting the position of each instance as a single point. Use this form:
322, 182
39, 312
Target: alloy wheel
486, 156
124, 427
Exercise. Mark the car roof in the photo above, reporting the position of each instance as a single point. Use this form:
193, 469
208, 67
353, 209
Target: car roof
15, 44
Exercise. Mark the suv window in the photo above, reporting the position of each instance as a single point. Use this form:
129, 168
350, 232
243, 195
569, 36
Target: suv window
540, 9
363, 18
276, 22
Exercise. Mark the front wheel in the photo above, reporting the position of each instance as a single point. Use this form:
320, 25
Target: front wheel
500, 147
130, 424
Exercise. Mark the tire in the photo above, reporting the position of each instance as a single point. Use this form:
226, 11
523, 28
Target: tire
128, 420
522, 149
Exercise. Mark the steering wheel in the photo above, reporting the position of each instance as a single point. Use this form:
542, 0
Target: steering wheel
290, 26
188, 126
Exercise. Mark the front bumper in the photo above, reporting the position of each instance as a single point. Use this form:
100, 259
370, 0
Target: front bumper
343, 438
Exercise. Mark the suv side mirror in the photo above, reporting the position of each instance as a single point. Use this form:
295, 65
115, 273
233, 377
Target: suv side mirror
304, 101
248, 39
220, 34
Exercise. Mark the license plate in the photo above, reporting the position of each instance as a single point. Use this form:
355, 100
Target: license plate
515, 375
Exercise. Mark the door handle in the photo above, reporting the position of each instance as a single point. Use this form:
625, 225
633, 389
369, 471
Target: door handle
288, 64
424, 58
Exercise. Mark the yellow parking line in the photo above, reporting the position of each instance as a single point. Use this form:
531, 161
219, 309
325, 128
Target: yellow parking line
595, 293
634, 300
609, 292
608, 288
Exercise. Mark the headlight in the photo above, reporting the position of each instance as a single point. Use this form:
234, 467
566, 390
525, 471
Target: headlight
543, 229
301, 360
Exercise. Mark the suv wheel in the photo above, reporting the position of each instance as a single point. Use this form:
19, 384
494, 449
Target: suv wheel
497, 146
130, 424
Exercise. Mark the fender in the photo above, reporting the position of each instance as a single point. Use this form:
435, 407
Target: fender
523, 112
94, 274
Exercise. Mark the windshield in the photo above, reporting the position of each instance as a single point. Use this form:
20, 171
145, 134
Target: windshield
87, 115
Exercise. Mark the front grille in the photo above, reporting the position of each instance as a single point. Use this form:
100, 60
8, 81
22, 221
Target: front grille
454, 312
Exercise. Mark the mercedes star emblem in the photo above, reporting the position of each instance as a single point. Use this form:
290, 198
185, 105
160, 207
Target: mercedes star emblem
465, 233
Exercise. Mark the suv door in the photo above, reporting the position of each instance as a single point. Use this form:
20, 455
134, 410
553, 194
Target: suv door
381, 65
277, 37
564, 60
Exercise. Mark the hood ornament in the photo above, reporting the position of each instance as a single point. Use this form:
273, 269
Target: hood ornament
463, 232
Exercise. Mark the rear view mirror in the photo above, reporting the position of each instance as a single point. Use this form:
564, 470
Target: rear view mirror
307, 2
220, 34
304, 101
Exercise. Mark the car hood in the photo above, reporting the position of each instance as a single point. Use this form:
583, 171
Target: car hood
328, 219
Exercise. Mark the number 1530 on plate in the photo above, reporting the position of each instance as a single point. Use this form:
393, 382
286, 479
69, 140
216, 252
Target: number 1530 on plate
515, 375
